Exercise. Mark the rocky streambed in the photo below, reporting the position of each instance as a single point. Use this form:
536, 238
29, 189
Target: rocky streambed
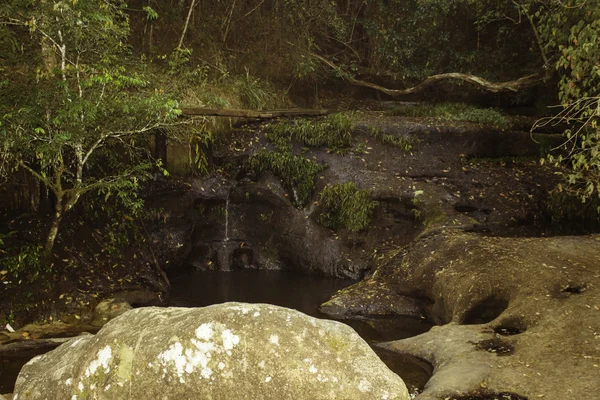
462, 238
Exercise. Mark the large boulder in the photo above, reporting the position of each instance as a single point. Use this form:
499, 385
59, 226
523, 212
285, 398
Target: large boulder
226, 351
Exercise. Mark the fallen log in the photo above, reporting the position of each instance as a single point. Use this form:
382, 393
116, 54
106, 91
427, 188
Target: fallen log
30, 345
493, 87
258, 114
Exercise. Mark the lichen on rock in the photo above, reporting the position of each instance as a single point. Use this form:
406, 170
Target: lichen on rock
225, 351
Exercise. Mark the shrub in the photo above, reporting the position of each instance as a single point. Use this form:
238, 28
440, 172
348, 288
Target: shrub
253, 92
455, 112
24, 264
345, 206
569, 206
333, 131
296, 172
404, 143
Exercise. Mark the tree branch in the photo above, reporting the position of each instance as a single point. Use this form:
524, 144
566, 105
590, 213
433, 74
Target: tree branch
493, 87
187, 22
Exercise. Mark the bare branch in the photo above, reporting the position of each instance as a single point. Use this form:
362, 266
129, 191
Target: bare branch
37, 175
187, 22
249, 12
493, 87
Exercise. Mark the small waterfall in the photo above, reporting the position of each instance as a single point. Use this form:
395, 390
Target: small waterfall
226, 239
295, 195
224, 254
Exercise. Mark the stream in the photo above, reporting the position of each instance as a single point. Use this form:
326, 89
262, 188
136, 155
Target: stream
289, 289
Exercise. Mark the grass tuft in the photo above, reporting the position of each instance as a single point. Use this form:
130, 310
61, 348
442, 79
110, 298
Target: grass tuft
296, 172
333, 131
455, 112
404, 143
344, 205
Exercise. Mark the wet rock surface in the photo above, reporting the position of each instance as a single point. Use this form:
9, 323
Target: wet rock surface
460, 175
226, 351
509, 323
438, 250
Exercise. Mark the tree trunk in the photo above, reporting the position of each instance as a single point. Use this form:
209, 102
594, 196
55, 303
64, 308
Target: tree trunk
160, 146
53, 232
187, 22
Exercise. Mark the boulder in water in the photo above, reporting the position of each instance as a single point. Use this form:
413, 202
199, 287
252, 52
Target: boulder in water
226, 351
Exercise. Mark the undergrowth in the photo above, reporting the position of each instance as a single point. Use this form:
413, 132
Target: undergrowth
333, 131
455, 112
344, 205
296, 172
21, 264
565, 206
404, 143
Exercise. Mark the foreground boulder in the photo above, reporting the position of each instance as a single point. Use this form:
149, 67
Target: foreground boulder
226, 351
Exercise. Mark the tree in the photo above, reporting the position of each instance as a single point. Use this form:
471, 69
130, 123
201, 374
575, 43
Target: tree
570, 34
72, 112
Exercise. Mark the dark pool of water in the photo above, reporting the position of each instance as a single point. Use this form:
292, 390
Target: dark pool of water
283, 288
11, 364
303, 293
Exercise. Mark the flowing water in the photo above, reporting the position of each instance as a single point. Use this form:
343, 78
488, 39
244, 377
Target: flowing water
226, 238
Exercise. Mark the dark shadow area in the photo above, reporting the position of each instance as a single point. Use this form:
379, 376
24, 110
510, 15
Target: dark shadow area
415, 372
510, 326
574, 289
508, 330
490, 396
566, 291
11, 364
486, 311
496, 346
385, 329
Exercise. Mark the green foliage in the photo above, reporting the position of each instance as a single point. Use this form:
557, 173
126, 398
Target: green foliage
195, 136
151, 14
200, 139
565, 206
582, 154
23, 264
76, 116
253, 92
297, 173
415, 39
334, 131
206, 86
570, 36
455, 112
404, 143
346, 206
178, 60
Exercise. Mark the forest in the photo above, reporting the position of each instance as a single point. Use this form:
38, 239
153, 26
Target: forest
427, 169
